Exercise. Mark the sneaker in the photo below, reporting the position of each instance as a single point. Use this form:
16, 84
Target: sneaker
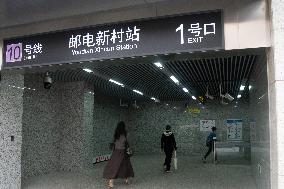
204, 160
126, 181
168, 171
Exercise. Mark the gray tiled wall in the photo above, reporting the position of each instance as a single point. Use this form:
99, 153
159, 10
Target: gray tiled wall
88, 124
11, 109
56, 127
107, 113
148, 122
41, 123
72, 132
259, 111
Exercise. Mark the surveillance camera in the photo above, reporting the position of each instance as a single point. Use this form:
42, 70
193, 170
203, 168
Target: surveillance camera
229, 97
47, 81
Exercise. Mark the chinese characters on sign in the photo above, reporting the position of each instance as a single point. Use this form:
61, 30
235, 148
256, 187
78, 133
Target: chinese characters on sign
183, 33
234, 129
206, 125
32, 51
198, 32
107, 41
15, 53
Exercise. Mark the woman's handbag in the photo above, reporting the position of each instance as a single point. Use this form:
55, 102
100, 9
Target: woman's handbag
128, 150
175, 160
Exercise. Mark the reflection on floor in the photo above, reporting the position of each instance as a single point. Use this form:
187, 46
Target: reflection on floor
191, 174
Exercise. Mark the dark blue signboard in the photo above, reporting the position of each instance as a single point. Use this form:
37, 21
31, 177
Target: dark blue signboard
194, 32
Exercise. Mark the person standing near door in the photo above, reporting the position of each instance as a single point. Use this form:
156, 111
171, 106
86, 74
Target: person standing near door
168, 145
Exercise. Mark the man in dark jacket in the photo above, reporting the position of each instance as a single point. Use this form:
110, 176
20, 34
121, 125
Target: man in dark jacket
168, 145
210, 144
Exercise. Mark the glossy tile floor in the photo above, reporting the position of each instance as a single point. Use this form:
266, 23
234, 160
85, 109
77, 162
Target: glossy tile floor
191, 174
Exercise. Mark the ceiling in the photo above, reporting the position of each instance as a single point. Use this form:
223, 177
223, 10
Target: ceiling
194, 71
17, 12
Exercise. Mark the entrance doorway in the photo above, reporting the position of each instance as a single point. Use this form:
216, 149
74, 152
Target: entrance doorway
69, 135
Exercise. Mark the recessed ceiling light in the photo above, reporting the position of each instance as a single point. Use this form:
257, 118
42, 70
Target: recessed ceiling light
193, 97
159, 65
239, 96
242, 87
185, 90
116, 82
136, 91
88, 70
174, 79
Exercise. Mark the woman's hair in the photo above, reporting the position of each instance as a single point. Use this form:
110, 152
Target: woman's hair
120, 130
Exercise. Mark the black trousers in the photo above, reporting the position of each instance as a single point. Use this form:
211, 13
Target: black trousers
168, 159
210, 149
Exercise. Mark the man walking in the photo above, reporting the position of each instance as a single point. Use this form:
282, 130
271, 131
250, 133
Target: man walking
168, 145
210, 144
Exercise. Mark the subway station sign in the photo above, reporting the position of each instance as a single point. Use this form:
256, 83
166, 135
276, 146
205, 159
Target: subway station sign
183, 33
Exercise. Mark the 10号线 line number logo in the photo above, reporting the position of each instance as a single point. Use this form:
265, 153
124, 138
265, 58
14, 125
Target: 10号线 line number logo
14, 52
